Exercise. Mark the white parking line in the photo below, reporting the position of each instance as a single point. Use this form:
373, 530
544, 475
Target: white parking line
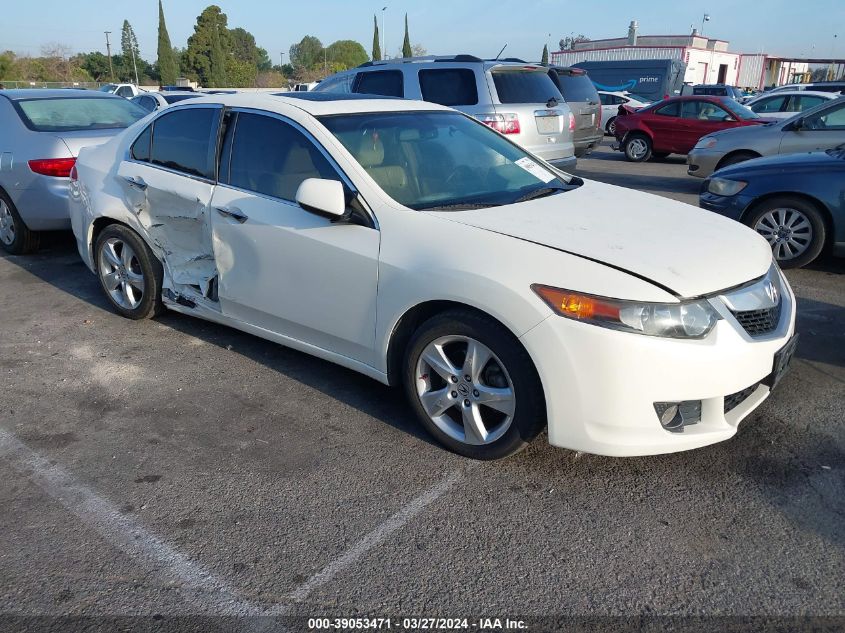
200, 587
375, 538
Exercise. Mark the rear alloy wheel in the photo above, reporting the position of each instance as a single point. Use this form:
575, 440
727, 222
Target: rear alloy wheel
15, 236
793, 227
611, 126
129, 273
473, 386
637, 148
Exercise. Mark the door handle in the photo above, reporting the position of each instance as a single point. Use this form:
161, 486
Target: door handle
137, 183
233, 212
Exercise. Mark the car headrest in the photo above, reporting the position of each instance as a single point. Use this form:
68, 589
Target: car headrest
371, 150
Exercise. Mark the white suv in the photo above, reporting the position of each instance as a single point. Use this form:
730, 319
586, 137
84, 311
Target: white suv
516, 98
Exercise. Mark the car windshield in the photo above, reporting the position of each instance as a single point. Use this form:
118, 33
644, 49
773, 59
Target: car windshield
743, 112
443, 160
79, 113
107, 88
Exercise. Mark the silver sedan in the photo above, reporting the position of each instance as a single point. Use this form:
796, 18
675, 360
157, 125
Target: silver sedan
43, 131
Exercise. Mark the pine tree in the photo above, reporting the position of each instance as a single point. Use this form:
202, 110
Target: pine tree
545, 58
217, 73
129, 49
376, 43
168, 67
407, 51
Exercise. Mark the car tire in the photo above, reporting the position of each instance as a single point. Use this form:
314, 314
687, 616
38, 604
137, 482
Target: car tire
129, 273
516, 413
15, 236
610, 126
637, 148
734, 159
793, 226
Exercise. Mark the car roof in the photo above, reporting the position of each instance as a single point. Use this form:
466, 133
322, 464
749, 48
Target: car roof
330, 104
801, 93
18, 94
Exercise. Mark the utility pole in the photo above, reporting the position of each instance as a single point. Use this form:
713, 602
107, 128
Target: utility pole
281, 59
384, 54
108, 51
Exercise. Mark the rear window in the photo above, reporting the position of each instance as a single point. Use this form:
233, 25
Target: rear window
525, 87
387, 83
73, 114
577, 87
175, 98
449, 86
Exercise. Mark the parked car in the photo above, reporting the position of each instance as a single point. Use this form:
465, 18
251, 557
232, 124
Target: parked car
151, 101
818, 129
43, 131
718, 90
515, 98
127, 91
674, 126
786, 103
610, 102
815, 86
583, 100
411, 243
796, 201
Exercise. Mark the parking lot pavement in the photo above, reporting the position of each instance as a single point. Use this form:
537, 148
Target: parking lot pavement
178, 467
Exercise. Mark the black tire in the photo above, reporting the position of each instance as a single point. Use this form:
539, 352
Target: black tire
738, 157
529, 416
610, 126
143, 263
21, 240
795, 209
632, 143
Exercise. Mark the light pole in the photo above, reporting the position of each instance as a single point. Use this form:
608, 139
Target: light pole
281, 60
108, 52
384, 54
704, 19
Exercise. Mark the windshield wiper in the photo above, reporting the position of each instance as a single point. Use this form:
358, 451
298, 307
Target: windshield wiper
542, 192
461, 206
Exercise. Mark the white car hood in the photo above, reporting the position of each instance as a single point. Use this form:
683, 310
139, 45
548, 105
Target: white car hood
687, 250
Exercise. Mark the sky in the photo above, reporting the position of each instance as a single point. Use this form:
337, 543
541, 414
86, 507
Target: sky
477, 27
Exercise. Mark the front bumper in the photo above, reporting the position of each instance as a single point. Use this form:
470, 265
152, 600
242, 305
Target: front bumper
730, 206
701, 163
601, 385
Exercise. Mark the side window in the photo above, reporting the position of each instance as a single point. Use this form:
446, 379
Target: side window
387, 83
185, 140
617, 100
703, 111
805, 102
449, 86
672, 109
832, 119
272, 157
125, 91
141, 147
337, 85
774, 104
605, 99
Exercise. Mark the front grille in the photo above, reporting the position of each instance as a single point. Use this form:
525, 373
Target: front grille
735, 399
759, 322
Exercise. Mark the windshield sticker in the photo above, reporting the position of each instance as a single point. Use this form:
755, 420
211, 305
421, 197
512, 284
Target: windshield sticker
534, 169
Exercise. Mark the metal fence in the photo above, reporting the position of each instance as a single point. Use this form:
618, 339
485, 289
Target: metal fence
90, 85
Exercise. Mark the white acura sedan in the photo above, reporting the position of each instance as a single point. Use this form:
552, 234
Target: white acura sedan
413, 244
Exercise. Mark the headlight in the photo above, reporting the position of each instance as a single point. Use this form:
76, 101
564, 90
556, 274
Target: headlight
725, 187
707, 142
687, 319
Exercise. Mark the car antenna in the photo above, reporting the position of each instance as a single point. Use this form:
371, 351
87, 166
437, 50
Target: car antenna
500, 52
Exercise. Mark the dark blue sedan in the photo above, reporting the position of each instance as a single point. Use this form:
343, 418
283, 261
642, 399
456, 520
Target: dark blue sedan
795, 201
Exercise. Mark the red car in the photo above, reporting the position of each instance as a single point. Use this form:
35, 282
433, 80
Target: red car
673, 126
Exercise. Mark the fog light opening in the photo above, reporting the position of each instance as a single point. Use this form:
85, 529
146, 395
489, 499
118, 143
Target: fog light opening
674, 416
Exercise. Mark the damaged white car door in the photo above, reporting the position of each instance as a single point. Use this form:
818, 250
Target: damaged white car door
283, 268
168, 180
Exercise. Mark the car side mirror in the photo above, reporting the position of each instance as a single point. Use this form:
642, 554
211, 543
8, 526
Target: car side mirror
323, 197
796, 126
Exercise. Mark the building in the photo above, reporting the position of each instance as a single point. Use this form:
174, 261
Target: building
707, 60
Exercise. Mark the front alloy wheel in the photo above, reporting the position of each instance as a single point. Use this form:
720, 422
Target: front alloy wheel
793, 227
465, 390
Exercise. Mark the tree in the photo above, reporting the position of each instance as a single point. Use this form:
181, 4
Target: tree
244, 49
569, 42
129, 48
211, 39
376, 43
270, 79
345, 54
307, 54
7, 64
168, 65
406, 43
545, 57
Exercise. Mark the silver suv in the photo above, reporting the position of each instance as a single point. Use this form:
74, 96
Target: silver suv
518, 99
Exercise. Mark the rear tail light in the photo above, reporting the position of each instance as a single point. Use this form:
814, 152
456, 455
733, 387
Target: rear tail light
74, 175
505, 123
59, 167
571, 122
